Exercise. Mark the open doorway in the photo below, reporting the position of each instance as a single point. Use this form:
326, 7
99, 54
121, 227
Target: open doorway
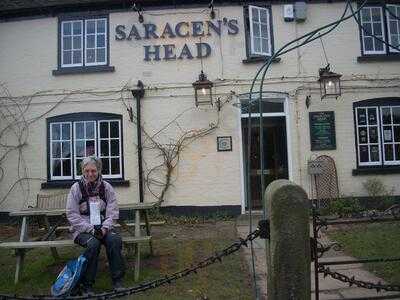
276, 162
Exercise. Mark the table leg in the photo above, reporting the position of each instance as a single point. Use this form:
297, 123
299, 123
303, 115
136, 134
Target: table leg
148, 231
20, 261
137, 245
23, 234
21, 252
50, 238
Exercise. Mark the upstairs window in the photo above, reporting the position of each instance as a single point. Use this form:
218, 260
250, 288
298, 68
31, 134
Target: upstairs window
393, 17
382, 21
258, 31
83, 42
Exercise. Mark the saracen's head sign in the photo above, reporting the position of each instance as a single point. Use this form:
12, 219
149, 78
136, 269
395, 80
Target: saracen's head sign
195, 29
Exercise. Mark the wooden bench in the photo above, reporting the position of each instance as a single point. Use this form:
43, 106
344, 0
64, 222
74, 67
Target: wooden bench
22, 247
51, 201
53, 205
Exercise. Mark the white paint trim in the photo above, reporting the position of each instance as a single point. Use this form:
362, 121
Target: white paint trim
60, 158
256, 115
109, 139
96, 62
259, 23
368, 144
241, 161
289, 139
393, 143
72, 35
372, 28
388, 15
84, 139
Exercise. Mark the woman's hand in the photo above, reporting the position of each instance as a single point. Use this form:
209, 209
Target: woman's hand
104, 231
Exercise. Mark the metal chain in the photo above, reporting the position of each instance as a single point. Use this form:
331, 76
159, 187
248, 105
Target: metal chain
363, 284
168, 279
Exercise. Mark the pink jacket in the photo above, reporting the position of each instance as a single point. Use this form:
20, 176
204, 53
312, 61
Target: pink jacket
81, 223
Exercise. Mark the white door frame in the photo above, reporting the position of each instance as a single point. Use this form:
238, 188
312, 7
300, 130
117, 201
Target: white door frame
285, 114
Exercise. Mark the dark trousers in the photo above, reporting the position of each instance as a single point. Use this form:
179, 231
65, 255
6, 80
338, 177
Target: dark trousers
113, 243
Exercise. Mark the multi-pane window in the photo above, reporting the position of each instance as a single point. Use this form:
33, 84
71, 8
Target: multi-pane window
84, 142
390, 120
71, 43
60, 150
393, 17
377, 132
84, 42
259, 32
110, 147
71, 140
368, 136
381, 21
95, 42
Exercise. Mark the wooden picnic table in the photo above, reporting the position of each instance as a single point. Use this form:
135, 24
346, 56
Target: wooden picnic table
25, 243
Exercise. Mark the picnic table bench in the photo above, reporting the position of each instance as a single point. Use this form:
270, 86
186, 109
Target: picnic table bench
54, 205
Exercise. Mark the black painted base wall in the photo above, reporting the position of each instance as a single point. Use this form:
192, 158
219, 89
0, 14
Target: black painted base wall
226, 210
223, 210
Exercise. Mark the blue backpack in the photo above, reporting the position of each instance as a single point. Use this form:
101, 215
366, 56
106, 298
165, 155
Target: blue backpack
69, 277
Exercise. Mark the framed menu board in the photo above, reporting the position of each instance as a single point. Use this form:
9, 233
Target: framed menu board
322, 130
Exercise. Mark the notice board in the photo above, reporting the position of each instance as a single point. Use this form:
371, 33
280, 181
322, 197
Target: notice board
322, 130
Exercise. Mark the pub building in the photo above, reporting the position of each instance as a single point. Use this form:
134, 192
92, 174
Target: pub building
160, 90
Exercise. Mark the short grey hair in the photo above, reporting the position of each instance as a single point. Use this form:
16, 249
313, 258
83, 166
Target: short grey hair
92, 160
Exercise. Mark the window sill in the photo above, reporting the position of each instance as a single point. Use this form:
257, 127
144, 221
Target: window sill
83, 70
378, 58
376, 171
56, 184
256, 59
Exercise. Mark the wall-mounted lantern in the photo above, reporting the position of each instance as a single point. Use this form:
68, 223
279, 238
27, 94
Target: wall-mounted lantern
203, 90
329, 83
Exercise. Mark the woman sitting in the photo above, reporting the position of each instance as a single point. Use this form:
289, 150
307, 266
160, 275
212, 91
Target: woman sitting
92, 209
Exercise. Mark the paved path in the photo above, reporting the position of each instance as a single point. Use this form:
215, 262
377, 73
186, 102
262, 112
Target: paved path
330, 289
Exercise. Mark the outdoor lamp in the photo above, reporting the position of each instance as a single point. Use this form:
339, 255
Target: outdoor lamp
202, 90
329, 83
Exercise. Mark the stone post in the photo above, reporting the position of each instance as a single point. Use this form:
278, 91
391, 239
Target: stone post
288, 249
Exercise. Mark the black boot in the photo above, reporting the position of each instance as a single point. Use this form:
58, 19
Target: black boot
117, 285
87, 290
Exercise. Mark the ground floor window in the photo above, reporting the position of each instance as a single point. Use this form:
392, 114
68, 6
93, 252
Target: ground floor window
72, 137
377, 124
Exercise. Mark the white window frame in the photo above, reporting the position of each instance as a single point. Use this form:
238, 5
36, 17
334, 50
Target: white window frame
368, 144
373, 39
251, 33
83, 35
99, 139
393, 143
72, 44
96, 63
76, 176
286, 114
51, 150
397, 7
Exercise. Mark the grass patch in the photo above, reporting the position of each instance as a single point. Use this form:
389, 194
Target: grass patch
373, 241
229, 280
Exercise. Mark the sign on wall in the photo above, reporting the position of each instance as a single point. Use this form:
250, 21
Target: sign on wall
322, 130
181, 30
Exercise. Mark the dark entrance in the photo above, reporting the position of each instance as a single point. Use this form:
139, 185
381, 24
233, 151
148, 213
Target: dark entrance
275, 154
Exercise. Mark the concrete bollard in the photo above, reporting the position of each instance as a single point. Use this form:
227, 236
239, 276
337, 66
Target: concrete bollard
288, 250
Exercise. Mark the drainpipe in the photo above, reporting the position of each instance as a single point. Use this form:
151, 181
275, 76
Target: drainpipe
139, 94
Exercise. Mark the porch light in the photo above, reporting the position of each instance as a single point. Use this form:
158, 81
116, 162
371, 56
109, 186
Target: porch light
203, 90
329, 83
